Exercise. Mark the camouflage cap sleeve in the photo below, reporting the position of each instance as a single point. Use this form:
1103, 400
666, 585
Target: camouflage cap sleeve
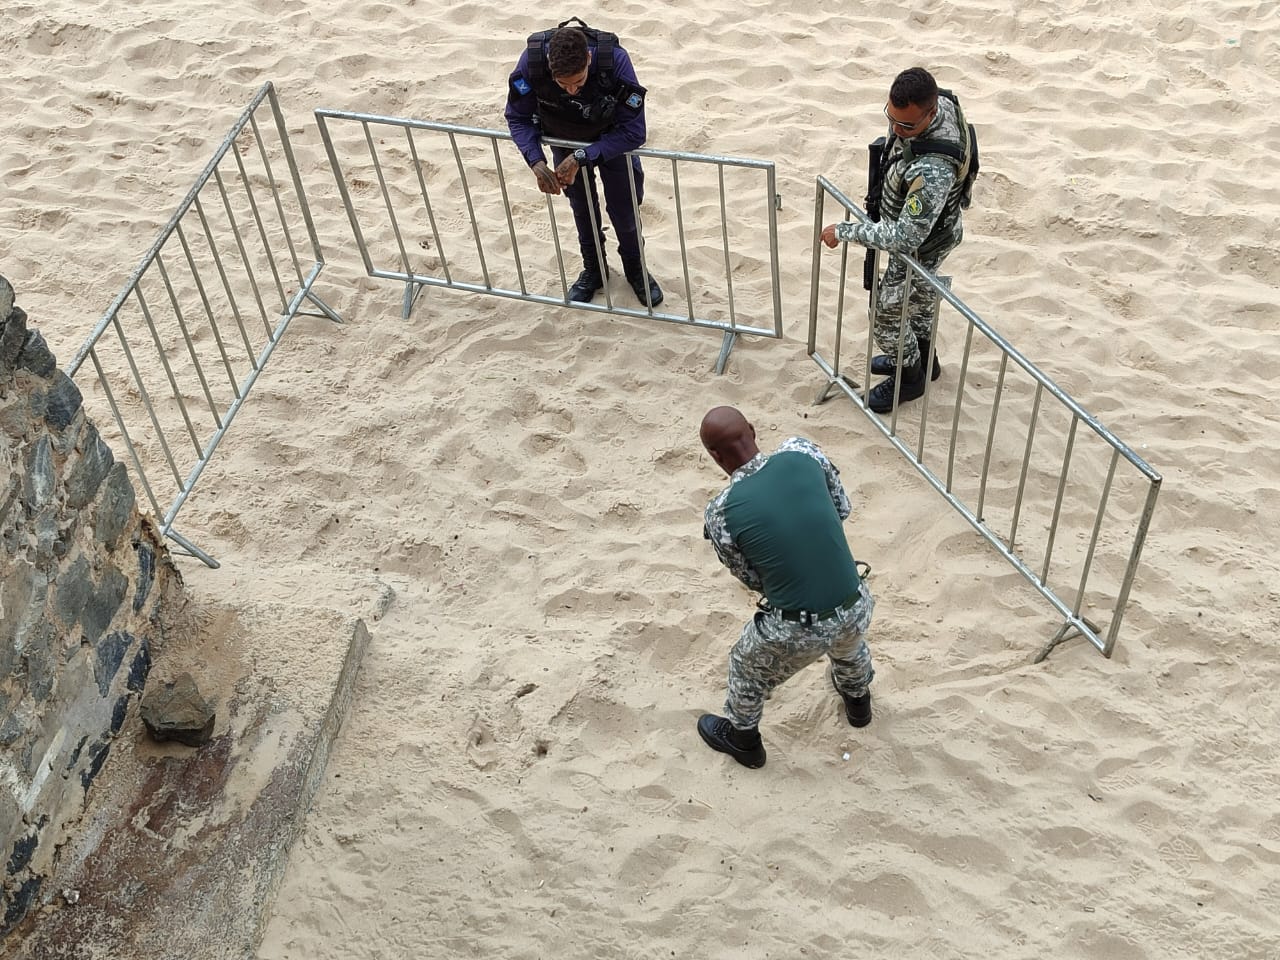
715, 528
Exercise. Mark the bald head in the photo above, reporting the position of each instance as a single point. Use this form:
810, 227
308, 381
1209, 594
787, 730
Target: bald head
728, 437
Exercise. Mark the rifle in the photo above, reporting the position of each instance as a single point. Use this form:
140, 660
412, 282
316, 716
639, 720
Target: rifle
875, 188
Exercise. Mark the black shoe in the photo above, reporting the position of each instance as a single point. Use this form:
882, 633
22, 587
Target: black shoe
856, 709
745, 746
882, 364
588, 284
643, 284
880, 397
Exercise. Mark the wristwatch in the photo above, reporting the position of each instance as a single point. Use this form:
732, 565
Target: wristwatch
581, 156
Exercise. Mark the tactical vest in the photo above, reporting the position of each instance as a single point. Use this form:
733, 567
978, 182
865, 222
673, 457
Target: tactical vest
962, 153
558, 115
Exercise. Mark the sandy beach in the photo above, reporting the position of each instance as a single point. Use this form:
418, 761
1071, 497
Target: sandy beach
511, 495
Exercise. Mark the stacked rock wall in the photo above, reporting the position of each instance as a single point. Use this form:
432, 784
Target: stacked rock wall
83, 581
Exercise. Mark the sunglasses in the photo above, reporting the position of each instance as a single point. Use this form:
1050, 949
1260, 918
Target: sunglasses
908, 127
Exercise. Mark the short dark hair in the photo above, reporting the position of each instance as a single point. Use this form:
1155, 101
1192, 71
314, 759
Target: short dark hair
914, 86
567, 52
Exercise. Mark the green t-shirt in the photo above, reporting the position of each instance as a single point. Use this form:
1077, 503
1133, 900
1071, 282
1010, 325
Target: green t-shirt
783, 519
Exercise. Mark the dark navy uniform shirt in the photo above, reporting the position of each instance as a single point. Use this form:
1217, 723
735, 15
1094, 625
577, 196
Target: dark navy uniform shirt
628, 129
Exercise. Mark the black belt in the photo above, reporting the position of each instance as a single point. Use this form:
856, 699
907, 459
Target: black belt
809, 617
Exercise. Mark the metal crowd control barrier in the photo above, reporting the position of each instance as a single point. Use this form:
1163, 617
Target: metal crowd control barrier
424, 221
1102, 493
187, 348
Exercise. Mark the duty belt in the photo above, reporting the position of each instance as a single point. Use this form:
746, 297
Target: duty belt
810, 617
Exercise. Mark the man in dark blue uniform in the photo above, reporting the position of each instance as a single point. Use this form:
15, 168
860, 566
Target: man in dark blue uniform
777, 527
576, 83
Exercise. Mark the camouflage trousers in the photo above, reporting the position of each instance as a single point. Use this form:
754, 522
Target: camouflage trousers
772, 650
922, 303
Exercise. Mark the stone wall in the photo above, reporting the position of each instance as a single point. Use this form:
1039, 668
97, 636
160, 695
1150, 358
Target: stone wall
83, 581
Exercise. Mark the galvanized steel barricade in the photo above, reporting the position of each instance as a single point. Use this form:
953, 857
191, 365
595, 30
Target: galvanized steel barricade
430, 205
1015, 444
186, 346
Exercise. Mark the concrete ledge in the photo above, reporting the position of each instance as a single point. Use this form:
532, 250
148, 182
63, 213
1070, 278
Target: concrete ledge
182, 849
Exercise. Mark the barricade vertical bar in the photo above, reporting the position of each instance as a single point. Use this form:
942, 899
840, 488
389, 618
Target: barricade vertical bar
1140, 538
164, 361
1097, 528
146, 397
588, 184
262, 230
555, 237
301, 194
341, 179
840, 302
426, 201
1057, 504
471, 210
386, 198
208, 312
231, 297
275, 195
926, 364
904, 330
244, 254
191, 347
411, 288
124, 430
955, 416
644, 261
815, 275
511, 223
1026, 463
684, 249
873, 297
772, 202
991, 435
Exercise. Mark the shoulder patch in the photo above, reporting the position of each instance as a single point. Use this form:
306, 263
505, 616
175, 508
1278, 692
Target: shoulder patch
521, 85
635, 101
914, 207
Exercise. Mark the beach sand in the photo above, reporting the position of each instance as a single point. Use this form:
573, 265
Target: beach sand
511, 494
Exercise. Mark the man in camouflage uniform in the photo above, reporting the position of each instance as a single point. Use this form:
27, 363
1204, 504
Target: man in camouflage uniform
777, 527
926, 164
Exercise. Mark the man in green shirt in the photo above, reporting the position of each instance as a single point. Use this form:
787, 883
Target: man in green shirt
777, 527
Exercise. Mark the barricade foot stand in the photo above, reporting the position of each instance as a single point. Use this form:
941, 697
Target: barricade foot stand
825, 393
326, 310
726, 346
411, 291
1067, 631
191, 550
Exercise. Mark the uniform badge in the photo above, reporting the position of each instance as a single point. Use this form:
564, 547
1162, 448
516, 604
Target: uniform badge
521, 85
635, 101
914, 206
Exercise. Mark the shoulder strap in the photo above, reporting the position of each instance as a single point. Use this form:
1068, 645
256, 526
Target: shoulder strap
960, 155
537, 47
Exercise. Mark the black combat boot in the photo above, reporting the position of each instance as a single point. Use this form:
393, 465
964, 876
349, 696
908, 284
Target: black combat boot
857, 710
589, 281
636, 277
882, 365
745, 746
880, 398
